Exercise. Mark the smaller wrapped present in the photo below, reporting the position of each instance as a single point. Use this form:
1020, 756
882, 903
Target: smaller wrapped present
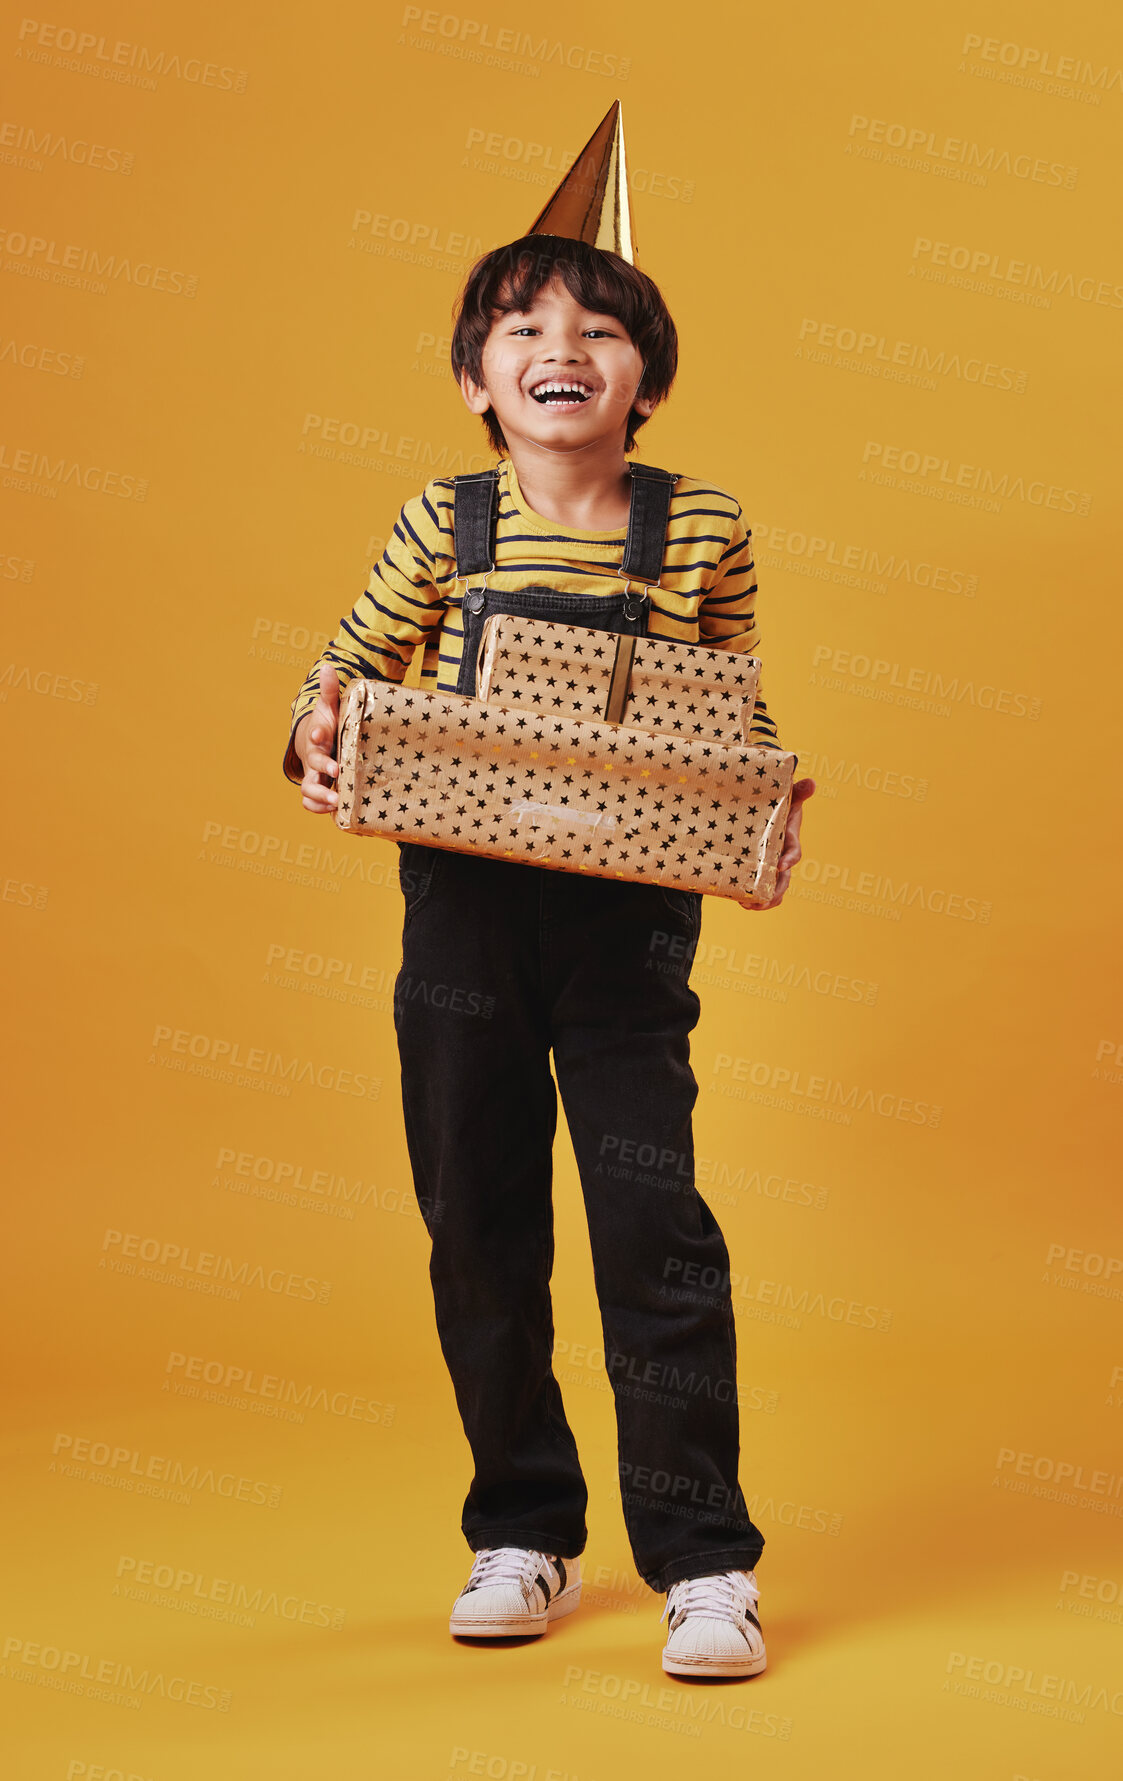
562, 792
641, 683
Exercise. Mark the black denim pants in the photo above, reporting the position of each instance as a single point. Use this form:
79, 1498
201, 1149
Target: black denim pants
502, 963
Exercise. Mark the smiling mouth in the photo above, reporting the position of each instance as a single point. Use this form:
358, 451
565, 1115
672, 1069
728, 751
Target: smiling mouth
561, 394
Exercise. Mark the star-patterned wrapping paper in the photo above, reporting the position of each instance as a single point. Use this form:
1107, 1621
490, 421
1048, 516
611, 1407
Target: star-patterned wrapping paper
464, 773
562, 670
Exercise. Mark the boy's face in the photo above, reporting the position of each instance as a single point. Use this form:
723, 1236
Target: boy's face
557, 341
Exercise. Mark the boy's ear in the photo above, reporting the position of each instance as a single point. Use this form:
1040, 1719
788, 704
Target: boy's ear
474, 394
645, 405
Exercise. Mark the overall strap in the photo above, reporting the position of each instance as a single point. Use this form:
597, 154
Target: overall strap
475, 511
647, 523
475, 516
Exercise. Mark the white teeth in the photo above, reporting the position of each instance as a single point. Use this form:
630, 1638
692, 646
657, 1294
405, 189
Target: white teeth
560, 389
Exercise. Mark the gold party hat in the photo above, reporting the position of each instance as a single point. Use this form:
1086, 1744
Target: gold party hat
591, 203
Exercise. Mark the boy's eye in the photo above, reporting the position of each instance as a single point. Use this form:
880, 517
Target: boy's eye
527, 329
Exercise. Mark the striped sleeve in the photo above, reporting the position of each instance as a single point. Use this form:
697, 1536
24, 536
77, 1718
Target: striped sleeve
401, 605
727, 617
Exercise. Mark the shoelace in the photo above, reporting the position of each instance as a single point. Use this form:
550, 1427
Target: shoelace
506, 1564
723, 1596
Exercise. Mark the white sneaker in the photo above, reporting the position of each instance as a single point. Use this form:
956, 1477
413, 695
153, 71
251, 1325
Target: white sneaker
713, 1629
514, 1590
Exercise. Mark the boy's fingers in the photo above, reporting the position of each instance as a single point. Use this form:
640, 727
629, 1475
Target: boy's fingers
791, 852
783, 879
321, 738
318, 797
312, 775
317, 793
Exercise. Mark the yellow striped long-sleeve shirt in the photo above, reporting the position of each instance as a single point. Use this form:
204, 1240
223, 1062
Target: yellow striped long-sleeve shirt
707, 591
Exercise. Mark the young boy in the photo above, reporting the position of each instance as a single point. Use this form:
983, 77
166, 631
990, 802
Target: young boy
564, 350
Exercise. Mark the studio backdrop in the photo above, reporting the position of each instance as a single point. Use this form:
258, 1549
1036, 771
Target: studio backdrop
229, 250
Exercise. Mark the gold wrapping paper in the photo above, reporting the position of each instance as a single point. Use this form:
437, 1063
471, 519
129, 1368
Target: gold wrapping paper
556, 669
559, 792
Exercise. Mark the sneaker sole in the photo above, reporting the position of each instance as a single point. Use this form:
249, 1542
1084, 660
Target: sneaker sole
726, 1666
518, 1625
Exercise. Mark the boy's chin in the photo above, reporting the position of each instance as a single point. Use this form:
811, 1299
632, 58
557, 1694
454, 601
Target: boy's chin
559, 432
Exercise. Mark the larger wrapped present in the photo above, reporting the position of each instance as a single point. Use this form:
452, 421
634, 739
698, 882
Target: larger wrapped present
561, 792
642, 683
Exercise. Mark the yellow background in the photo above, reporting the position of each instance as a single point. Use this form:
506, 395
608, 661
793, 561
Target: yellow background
153, 886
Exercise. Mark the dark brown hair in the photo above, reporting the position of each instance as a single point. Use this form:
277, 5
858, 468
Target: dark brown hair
509, 278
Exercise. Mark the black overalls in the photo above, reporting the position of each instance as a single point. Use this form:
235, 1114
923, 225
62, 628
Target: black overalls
502, 963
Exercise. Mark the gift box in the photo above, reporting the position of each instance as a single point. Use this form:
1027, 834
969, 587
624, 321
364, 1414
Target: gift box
561, 792
641, 683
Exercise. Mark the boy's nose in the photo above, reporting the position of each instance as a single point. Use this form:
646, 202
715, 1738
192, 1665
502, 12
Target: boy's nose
564, 349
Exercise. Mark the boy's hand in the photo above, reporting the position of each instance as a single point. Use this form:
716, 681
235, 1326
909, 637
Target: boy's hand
792, 852
314, 742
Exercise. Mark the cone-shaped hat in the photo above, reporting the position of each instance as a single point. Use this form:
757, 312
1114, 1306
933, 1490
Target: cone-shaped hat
591, 203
